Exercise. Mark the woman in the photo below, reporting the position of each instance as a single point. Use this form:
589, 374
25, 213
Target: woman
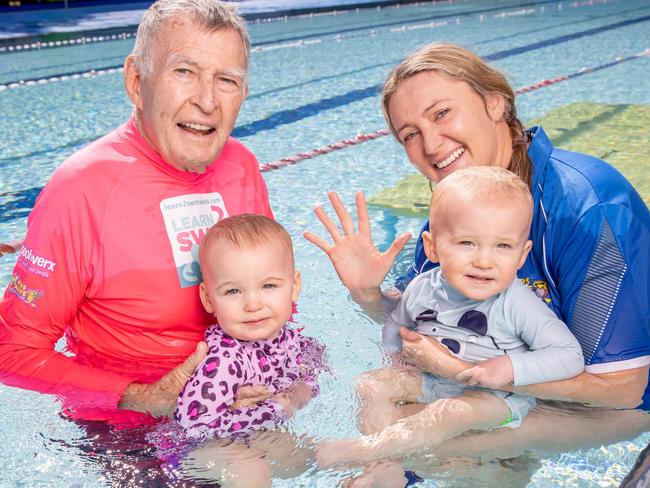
591, 245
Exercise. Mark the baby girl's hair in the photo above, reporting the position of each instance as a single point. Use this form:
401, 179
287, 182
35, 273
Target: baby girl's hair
482, 183
245, 231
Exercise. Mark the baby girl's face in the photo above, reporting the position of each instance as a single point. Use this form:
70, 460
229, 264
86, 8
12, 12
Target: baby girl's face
250, 290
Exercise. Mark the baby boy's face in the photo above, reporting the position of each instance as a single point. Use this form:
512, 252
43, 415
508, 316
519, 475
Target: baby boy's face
480, 245
250, 290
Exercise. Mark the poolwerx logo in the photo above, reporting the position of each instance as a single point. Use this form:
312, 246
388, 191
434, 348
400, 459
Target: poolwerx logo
38, 261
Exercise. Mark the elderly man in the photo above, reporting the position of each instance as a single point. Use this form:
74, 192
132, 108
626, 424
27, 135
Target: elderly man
109, 259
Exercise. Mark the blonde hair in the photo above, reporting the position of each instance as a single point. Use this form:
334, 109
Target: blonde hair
462, 64
244, 231
479, 184
209, 14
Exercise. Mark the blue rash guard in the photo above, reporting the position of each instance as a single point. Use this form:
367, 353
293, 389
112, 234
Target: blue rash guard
590, 260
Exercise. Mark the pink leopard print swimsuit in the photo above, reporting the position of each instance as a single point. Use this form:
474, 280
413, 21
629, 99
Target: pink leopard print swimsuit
204, 403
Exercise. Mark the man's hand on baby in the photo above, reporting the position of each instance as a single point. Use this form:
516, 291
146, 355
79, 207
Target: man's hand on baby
493, 373
159, 398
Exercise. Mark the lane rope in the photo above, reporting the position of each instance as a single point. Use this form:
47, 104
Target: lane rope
13, 246
287, 161
130, 31
299, 43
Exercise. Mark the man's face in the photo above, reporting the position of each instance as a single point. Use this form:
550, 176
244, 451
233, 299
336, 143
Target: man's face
188, 104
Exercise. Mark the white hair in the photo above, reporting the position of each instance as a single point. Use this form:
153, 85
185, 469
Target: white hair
210, 14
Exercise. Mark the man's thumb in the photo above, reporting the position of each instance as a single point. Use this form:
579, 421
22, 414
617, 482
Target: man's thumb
191, 363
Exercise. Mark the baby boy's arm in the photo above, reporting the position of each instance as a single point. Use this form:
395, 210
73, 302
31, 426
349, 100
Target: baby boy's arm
554, 354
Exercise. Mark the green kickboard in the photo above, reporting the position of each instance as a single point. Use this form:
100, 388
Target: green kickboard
619, 134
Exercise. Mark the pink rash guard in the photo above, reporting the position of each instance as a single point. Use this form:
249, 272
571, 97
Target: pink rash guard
110, 260
204, 404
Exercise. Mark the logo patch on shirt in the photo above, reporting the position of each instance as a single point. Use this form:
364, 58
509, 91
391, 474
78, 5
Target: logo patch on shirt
187, 219
23, 292
34, 263
540, 287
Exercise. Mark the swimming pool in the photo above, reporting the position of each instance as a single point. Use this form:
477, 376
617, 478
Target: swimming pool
314, 81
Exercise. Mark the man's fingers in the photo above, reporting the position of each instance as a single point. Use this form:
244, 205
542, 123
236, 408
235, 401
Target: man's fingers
159, 398
191, 363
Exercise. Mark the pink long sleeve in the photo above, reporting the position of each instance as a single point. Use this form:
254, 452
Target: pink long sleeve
109, 260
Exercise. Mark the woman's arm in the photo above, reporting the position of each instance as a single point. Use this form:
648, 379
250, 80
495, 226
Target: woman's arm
620, 389
359, 264
603, 282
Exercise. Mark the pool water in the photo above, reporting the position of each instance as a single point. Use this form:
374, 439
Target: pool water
314, 81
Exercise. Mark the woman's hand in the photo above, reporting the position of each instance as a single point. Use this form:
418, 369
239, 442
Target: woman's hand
359, 264
429, 355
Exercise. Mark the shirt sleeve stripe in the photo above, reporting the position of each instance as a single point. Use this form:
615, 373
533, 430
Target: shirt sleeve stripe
598, 293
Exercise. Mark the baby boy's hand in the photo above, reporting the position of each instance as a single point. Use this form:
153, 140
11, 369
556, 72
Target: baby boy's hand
493, 373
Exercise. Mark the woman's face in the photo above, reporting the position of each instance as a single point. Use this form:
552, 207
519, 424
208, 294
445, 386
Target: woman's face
445, 125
